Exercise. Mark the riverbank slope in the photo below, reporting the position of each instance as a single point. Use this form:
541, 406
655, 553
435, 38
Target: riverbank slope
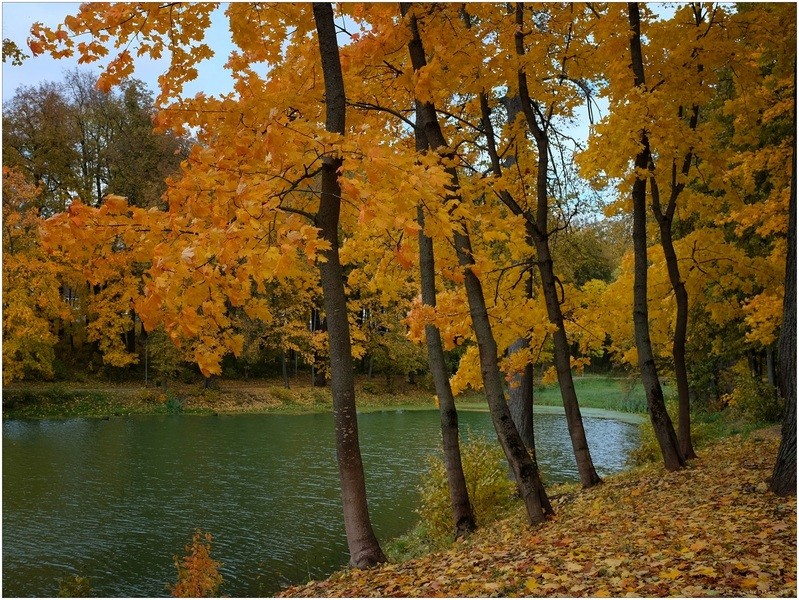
712, 529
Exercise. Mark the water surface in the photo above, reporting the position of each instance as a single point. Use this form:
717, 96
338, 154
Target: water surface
116, 499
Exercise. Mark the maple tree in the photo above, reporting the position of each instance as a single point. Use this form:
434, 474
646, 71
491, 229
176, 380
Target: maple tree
664, 430
539, 120
523, 465
462, 510
364, 548
32, 305
783, 479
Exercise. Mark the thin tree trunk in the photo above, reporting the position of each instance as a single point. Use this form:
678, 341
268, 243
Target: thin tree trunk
520, 397
783, 479
680, 329
665, 221
523, 466
539, 230
661, 422
462, 512
285, 367
318, 376
771, 367
363, 545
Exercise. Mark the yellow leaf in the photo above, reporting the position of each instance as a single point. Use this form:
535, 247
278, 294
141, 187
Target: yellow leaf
670, 574
706, 571
748, 583
531, 584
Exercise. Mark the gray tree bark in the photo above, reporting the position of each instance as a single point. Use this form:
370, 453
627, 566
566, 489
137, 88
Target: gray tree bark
523, 466
363, 545
661, 422
783, 479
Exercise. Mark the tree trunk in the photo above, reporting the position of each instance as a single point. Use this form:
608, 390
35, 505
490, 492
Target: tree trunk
680, 337
318, 376
538, 229
661, 422
783, 479
462, 512
585, 465
520, 397
522, 389
363, 546
771, 367
285, 367
524, 468
130, 334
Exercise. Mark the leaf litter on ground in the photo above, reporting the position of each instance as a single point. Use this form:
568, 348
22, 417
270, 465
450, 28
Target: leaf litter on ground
712, 529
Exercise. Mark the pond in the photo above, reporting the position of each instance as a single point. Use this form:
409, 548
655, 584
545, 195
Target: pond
116, 499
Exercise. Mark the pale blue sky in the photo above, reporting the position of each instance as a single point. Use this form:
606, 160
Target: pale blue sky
19, 16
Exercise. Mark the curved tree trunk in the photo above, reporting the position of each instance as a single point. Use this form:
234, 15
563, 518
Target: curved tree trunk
462, 512
363, 546
783, 479
523, 466
678, 344
585, 465
538, 229
661, 422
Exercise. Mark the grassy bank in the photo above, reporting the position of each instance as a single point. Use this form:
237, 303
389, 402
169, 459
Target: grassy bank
712, 529
254, 396
620, 394
31, 401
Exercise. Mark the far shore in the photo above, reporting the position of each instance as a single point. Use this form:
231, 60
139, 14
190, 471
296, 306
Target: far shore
601, 398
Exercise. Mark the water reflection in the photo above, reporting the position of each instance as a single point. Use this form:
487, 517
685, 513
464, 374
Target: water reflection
117, 499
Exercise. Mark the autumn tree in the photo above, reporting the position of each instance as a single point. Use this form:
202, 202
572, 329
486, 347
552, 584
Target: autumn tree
539, 121
364, 548
524, 468
462, 510
36, 141
32, 301
79, 142
661, 422
783, 479
234, 222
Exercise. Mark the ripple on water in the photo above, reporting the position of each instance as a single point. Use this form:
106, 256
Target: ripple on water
118, 499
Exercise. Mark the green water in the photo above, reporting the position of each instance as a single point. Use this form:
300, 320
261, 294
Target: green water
116, 499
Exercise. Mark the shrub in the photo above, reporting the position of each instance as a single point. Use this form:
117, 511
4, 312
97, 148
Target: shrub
490, 490
173, 404
755, 400
198, 573
74, 586
283, 395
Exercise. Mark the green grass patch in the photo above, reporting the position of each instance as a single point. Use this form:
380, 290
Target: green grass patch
620, 394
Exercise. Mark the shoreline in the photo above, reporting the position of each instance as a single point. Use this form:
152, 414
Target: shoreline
270, 396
